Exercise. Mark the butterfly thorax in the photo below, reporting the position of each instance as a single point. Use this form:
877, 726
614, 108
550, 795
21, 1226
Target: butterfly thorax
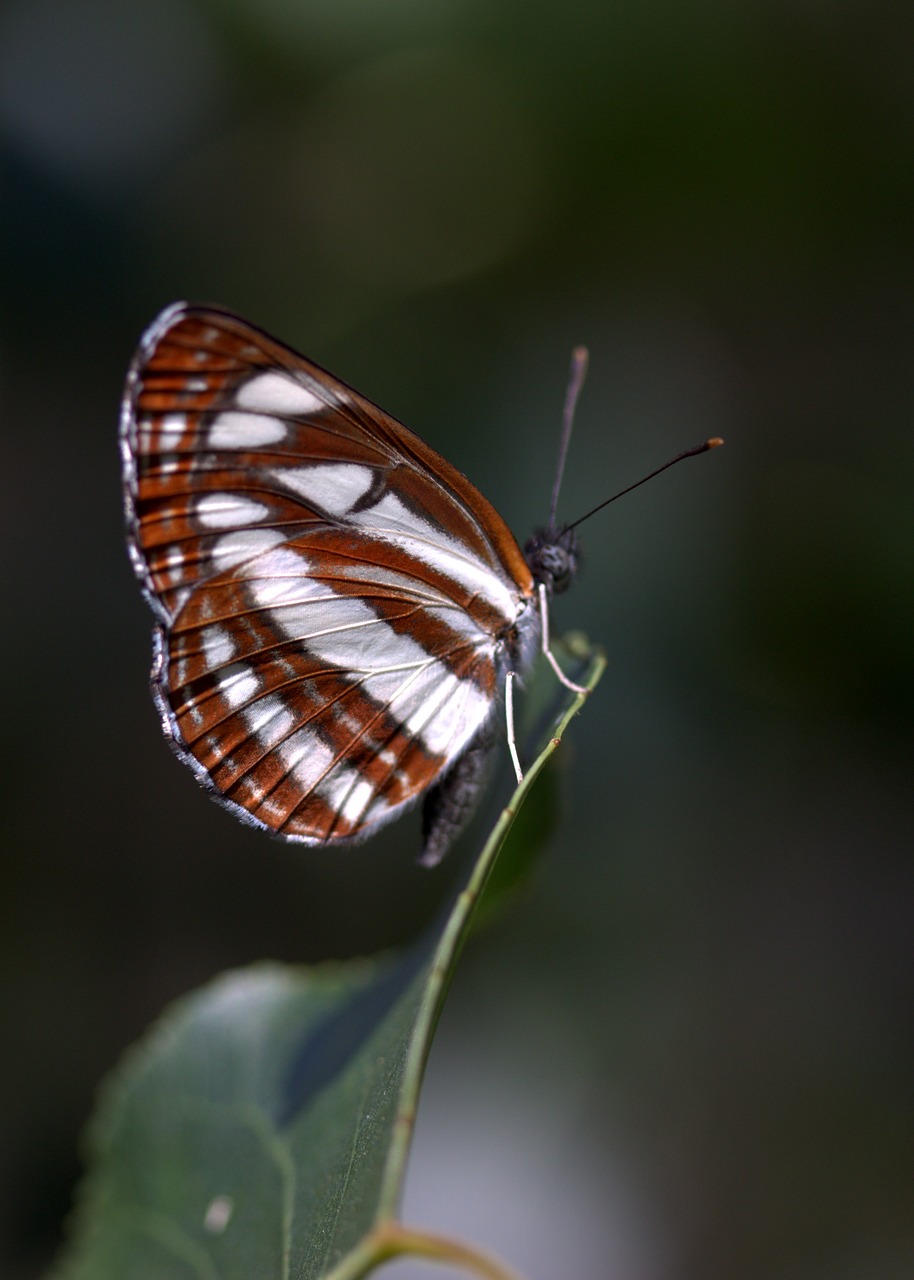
552, 558
552, 555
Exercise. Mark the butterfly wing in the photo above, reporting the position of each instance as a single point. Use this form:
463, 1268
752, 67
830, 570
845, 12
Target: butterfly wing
334, 598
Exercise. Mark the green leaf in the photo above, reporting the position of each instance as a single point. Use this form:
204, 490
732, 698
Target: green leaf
261, 1129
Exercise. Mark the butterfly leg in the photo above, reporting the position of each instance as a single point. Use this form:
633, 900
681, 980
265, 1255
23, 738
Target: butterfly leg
547, 652
509, 717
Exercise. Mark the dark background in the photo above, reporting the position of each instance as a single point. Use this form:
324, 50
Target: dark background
686, 1053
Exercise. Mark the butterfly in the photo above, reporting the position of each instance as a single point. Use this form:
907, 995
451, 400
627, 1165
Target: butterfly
339, 610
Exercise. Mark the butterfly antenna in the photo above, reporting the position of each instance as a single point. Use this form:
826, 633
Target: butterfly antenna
579, 358
713, 443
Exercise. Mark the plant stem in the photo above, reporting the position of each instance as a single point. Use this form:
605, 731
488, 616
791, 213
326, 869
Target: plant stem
392, 1239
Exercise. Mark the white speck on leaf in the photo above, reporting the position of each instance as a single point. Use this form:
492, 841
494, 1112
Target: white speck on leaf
218, 1213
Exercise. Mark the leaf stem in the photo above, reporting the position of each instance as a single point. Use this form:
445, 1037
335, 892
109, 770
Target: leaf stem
392, 1239
389, 1238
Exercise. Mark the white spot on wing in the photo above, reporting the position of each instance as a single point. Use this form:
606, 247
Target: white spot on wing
242, 544
390, 520
170, 423
350, 635
460, 707
224, 510
238, 685
190, 710
348, 794
278, 393
174, 565
281, 576
217, 647
269, 720
457, 618
433, 704
390, 516
334, 487
306, 758
237, 430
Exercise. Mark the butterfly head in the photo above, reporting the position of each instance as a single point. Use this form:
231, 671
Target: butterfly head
553, 558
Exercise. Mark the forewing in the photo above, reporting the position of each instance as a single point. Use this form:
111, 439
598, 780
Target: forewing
225, 429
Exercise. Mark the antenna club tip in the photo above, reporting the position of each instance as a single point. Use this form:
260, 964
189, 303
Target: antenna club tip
580, 355
714, 443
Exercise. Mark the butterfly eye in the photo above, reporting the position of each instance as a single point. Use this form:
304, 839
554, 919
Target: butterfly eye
553, 558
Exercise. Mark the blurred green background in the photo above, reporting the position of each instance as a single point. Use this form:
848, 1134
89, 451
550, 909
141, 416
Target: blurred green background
686, 1054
